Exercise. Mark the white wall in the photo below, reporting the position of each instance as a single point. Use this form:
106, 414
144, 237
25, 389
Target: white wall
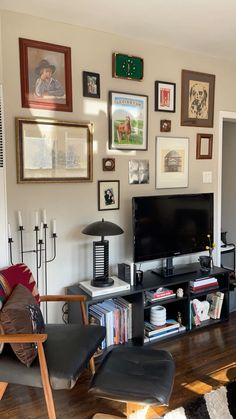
75, 205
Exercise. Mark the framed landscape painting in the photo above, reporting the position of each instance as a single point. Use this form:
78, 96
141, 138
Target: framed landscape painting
197, 99
45, 73
128, 121
171, 162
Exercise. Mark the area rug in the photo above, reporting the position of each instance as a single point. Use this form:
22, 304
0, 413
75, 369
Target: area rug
218, 404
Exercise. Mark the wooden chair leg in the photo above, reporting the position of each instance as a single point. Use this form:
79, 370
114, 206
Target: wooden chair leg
46, 383
92, 365
3, 387
136, 411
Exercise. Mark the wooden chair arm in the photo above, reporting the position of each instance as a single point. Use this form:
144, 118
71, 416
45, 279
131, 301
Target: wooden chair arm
24, 338
65, 298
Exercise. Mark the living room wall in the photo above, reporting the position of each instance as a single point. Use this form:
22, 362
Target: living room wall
74, 205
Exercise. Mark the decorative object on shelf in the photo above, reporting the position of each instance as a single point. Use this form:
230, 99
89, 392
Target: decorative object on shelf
180, 292
91, 84
202, 309
45, 71
53, 151
40, 248
108, 164
179, 318
205, 263
127, 67
171, 162
138, 171
158, 315
211, 246
101, 251
128, 121
139, 277
204, 146
223, 237
164, 96
197, 100
165, 125
108, 195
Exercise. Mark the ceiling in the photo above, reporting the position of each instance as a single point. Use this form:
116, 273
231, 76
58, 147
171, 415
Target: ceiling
202, 26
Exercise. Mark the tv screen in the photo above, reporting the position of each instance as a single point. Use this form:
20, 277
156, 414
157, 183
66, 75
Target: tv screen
171, 225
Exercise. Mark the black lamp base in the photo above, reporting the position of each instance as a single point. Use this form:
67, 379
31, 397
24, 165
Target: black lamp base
102, 282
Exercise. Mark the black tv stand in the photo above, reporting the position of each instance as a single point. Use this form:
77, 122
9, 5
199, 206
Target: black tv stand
170, 270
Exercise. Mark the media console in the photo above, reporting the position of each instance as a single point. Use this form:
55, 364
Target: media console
141, 308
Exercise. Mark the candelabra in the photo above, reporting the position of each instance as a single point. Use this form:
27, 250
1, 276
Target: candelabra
40, 248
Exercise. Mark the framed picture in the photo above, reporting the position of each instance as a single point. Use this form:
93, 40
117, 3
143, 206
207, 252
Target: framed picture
108, 164
204, 146
164, 96
197, 99
53, 151
128, 121
91, 84
165, 125
108, 195
171, 162
138, 171
45, 73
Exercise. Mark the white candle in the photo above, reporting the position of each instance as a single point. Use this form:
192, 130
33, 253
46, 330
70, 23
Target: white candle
41, 231
36, 219
54, 226
20, 219
9, 231
44, 217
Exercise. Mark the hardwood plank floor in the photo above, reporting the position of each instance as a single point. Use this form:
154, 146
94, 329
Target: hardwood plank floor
204, 360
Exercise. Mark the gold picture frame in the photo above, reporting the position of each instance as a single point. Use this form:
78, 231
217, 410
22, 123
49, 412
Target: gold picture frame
53, 151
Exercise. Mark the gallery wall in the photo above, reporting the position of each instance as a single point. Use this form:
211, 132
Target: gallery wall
74, 205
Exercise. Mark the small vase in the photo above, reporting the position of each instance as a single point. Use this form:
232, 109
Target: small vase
205, 263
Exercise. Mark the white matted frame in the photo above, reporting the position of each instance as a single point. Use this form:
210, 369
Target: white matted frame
171, 162
108, 195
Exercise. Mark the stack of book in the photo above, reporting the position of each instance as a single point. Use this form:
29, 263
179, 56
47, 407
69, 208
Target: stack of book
116, 315
159, 294
216, 301
203, 284
153, 332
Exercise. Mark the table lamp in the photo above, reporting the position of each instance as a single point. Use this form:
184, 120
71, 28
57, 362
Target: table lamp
101, 251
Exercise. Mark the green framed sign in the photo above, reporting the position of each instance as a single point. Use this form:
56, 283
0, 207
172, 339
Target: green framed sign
127, 67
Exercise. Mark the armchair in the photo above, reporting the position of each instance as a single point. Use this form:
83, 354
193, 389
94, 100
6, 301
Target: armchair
64, 350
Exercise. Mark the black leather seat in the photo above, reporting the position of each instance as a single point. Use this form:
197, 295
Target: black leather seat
135, 374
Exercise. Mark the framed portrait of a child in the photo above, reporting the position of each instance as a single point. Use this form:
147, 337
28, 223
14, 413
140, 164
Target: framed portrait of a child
45, 73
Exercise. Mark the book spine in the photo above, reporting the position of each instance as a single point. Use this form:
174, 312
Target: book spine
160, 294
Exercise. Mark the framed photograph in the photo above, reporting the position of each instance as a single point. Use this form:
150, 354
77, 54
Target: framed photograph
45, 73
138, 171
53, 151
204, 146
108, 164
164, 96
108, 195
165, 125
171, 162
91, 84
197, 99
128, 121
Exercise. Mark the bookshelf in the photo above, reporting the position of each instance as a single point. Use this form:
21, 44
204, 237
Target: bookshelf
141, 307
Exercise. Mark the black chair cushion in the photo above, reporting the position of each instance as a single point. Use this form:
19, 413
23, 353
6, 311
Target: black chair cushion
68, 350
135, 374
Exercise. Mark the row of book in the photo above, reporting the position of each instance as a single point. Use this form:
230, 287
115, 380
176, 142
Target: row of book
203, 284
159, 294
152, 332
213, 305
116, 315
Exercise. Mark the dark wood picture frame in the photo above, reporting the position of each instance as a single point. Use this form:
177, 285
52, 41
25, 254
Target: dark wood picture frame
91, 84
50, 151
54, 93
165, 125
204, 146
108, 195
165, 93
197, 99
108, 164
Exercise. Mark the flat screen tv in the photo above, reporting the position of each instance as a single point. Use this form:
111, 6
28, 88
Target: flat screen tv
171, 225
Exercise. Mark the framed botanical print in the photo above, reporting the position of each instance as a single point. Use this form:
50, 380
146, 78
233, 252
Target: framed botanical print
164, 96
108, 195
91, 84
128, 121
45, 73
197, 99
171, 162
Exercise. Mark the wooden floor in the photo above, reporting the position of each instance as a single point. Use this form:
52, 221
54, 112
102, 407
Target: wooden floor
204, 360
